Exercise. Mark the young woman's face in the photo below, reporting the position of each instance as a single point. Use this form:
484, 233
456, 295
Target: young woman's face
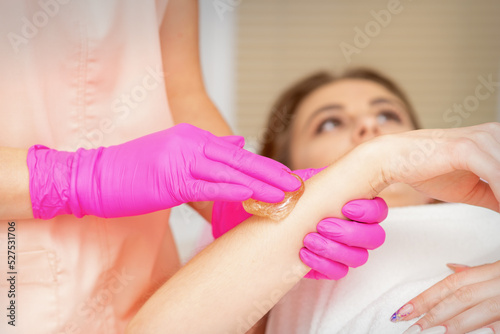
337, 117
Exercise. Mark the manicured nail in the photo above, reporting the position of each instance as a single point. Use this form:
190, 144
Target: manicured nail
415, 329
403, 312
292, 183
482, 331
435, 330
457, 267
353, 210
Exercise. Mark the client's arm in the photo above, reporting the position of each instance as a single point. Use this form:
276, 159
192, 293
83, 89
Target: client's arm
236, 280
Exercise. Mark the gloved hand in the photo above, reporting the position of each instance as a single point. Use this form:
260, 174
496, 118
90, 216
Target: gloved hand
338, 245
158, 171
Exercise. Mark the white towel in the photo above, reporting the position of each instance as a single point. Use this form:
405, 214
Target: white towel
420, 241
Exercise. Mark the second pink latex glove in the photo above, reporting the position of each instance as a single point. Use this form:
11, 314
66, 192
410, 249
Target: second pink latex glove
338, 245
154, 172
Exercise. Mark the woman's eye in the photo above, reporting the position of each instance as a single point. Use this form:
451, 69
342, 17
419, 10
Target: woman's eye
328, 125
387, 116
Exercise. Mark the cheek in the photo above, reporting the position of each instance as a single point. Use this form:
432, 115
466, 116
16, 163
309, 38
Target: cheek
319, 152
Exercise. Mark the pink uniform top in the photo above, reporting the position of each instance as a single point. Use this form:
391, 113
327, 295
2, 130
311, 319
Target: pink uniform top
82, 73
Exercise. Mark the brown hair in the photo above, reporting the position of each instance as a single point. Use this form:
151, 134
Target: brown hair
276, 138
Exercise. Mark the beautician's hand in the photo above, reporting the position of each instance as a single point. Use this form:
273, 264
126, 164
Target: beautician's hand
338, 245
155, 172
463, 302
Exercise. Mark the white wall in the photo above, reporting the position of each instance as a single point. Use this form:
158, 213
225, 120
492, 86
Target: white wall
217, 48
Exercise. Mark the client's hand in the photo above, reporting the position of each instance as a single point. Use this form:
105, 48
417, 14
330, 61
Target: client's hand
462, 302
338, 245
454, 165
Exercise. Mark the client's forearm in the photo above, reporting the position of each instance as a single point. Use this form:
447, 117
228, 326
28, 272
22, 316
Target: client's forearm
236, 280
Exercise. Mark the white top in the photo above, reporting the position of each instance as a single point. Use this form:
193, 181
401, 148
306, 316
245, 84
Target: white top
420, 241
82, 73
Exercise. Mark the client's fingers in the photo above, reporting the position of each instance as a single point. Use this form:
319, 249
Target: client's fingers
335, 251
332, 270
486, 167
369, 236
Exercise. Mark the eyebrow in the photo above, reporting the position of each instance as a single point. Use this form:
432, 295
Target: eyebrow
336, 106
381, 100
328, 107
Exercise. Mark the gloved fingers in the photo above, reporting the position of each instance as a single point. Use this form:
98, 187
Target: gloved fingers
313, 274
351, 233
209, 191
259, 167
331, 269
234, 140
366, 210
335, 251
217, 172
306, 174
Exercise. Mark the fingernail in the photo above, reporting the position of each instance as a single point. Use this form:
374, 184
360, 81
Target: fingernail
314, 243
305, 256
435, 330
457, 267
482, 331
413, 330
294, 183
353, 210
403, 312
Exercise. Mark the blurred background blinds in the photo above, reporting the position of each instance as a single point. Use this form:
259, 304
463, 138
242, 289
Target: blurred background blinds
436, 50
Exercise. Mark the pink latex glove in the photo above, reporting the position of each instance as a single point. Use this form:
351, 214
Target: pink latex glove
155, 172
338, 245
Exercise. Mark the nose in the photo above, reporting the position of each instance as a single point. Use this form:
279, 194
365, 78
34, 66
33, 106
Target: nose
365, 129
